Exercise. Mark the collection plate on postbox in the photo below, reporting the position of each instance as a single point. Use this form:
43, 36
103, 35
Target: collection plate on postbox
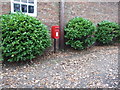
55, 32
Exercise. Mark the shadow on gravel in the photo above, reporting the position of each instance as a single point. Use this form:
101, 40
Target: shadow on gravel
38, 59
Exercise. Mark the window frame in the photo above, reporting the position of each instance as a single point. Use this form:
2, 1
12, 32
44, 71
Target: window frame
31, 14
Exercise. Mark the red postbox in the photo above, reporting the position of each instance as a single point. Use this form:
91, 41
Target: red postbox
55, 32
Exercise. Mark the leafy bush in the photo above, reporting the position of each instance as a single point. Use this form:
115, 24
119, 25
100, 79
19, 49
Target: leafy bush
118, 35
107, 32
23, 37
79, 33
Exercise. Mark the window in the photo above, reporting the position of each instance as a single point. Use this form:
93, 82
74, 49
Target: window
26, 6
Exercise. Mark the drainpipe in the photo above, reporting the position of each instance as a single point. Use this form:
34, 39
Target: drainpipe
61, 40
119, 12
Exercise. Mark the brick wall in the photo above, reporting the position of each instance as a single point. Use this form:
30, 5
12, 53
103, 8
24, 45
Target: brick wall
94, 11
48, 12
5, 7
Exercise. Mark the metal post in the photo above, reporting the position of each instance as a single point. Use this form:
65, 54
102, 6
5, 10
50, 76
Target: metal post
54, 45
61, 40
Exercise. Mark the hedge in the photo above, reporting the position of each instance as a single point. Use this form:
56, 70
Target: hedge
79, 33
107, 32
23, 37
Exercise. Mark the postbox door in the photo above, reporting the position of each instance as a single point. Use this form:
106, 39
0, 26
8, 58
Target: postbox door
55, 32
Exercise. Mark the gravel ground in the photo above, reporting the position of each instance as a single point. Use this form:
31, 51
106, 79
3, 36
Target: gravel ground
96, 67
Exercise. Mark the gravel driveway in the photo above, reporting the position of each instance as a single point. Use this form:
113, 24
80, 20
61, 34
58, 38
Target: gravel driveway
95, 67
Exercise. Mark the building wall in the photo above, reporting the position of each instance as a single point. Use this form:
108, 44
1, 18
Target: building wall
48, 12
94, 11
5, 7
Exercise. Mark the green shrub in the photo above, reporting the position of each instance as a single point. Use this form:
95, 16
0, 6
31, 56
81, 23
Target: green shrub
118, 35
23, 37
107, 32
79, 33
